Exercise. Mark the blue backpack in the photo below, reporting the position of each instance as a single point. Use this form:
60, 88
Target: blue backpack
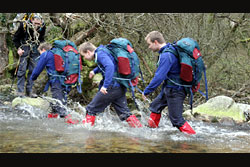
68, 63
127, 60
187, 51
128, 63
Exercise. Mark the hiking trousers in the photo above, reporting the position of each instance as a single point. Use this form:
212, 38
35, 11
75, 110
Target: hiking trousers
116, 97
173, 98
58, 92
28, 62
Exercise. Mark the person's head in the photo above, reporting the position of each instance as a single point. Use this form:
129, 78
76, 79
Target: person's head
36, 21
44, 47
87, 50
155, 40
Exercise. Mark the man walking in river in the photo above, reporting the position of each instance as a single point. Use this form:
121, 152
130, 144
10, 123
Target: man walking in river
110, 91
171, 95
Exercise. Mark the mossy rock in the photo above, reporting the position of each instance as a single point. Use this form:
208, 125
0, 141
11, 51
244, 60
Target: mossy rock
35, 102
220, 107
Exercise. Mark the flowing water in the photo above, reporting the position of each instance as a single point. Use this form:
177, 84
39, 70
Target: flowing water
27, 130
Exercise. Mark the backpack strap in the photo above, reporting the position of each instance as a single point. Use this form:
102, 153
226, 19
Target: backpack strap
203, 94
132, 88
79, 82
205, 78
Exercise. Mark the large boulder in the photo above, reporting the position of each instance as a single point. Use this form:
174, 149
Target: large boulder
221, 107
34, 102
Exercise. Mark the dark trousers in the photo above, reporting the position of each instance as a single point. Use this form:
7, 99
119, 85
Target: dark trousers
116, 97
58, 92
174, 99
28, 62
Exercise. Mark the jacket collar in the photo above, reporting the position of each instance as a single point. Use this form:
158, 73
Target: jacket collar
165, 46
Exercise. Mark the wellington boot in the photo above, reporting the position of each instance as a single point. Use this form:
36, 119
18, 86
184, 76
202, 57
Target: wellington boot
154, 120
31, 94
69, 120
186, 128
89, 119
133, 121
53, 115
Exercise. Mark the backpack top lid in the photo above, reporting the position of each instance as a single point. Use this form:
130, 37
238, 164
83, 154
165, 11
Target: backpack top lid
62, 43
127, 61
188, 44
66, 56
121, 41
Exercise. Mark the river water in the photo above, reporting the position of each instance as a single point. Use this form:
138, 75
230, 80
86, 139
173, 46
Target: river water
26, 131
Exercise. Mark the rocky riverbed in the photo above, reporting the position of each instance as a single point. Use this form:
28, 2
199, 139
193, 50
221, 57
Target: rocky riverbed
220, 109
25, 127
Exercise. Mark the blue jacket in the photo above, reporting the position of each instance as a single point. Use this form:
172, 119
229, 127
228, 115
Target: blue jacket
107, 66
46, 60
168, 66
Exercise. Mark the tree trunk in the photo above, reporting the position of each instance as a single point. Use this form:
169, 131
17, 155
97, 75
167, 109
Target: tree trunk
3, 52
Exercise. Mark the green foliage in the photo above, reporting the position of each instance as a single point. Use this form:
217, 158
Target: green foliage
55, 33
223, 38
2, 18
11, 60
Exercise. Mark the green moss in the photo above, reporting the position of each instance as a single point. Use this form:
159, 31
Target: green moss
90, 64
35, 102
77, 26
11, 60
233, 112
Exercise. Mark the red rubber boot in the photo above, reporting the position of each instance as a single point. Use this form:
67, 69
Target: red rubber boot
133, 121
89, 119
69, 120
154, 120
186, 128
53, 115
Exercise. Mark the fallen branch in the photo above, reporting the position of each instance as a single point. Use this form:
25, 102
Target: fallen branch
146, 65
84, 35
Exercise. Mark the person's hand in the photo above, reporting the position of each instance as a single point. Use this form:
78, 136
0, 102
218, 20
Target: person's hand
144, 97
104, 90
20, 51
91, 74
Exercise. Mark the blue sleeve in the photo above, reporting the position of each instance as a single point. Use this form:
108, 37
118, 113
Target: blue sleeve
39, 67
104, 59
165, 64
96, 70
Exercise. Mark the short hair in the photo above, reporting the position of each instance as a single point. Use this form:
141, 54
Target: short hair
84, 47
44, 45
155, 35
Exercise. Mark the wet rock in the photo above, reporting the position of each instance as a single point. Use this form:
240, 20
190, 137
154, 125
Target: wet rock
244, 126
35, 102
220, 102
220, 107
213, 119
226, 121
246, 109
188, 115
